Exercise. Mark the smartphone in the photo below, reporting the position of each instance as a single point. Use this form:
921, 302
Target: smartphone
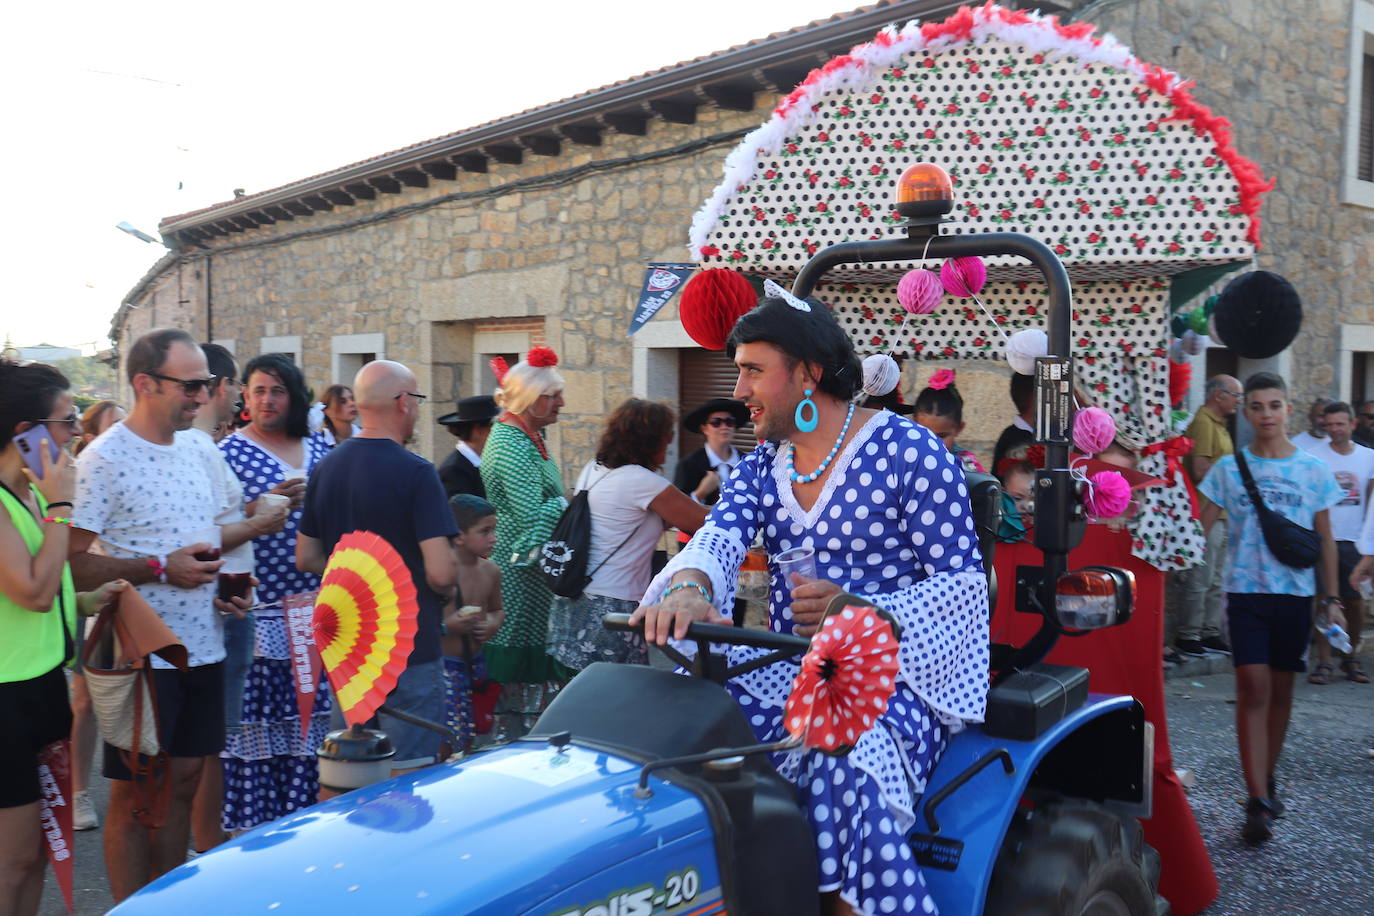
30, 441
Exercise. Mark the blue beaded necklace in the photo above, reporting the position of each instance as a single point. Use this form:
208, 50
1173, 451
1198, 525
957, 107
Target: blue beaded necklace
834, 450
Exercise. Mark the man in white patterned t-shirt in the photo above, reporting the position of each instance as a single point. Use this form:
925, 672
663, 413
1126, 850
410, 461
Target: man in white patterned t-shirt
147, 498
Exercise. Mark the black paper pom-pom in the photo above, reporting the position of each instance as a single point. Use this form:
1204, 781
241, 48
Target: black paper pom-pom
1258, 314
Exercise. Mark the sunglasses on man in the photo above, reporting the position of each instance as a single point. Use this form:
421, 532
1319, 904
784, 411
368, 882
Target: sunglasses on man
189, 386
722, 421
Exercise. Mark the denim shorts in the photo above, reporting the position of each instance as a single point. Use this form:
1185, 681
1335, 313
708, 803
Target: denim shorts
419, 691
239, 643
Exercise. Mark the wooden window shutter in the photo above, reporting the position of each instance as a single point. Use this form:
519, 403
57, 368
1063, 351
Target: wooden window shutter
702, 375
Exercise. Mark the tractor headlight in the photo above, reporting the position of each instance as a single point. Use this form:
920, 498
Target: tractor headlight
1094, 597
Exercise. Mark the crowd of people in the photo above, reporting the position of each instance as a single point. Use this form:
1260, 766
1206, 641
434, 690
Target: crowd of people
219, 468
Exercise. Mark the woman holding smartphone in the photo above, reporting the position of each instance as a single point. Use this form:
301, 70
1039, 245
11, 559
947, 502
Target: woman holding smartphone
38, 608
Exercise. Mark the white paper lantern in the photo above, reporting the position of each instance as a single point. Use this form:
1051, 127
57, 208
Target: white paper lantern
880, 374
1024, 347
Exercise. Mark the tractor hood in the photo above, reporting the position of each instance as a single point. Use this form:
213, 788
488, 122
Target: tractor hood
510, 831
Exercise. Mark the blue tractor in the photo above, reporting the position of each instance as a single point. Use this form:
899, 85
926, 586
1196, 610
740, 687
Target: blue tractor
644, 792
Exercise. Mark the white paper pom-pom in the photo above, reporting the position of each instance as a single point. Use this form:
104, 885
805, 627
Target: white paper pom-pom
880, 374
1177, 353
1024, 347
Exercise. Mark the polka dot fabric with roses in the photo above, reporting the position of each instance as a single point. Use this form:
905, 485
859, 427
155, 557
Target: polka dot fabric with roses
1111, 319
1083, 157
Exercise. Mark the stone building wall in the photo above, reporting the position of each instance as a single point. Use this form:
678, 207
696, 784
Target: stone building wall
1278, 71
552, 250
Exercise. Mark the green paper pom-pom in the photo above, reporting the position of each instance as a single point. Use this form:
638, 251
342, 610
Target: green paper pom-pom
1197, 320
1178, 324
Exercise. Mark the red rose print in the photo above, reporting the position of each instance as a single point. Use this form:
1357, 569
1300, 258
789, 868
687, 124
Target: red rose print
929, 133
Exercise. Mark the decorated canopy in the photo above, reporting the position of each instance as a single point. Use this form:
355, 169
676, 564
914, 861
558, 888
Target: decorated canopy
1046, 129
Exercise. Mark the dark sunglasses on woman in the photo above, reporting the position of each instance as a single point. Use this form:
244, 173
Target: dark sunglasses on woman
721, 421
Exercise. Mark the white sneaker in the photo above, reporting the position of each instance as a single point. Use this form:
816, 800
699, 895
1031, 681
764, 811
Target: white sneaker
83, 813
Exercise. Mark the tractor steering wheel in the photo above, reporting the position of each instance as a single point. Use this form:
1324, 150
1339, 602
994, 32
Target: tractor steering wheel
712, 667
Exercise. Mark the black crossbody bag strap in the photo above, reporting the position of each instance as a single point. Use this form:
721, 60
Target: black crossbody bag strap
632, 533
1249, 482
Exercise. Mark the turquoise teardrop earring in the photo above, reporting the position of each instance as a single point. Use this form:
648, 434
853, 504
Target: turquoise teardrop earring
803, 423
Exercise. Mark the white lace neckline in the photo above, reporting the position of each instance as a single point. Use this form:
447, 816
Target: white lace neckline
837, 472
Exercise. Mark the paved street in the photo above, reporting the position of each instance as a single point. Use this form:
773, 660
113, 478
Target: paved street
1319, 861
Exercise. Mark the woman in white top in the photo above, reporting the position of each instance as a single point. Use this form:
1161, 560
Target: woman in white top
631, 505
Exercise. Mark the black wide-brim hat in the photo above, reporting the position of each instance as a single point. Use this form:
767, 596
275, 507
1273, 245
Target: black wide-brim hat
694, 420
479, 409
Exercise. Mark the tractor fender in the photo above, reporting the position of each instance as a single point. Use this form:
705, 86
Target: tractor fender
1099, 751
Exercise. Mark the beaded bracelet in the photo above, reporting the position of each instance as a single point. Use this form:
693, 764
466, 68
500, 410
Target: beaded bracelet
59, 521
705, 593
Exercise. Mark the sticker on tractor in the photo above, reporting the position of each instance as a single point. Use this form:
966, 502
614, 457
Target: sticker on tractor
678, 894
551, 770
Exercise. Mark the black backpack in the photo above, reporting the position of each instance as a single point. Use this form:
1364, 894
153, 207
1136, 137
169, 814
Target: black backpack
563, 561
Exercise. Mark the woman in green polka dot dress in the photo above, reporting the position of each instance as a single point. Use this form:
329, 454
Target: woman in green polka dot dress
525, 486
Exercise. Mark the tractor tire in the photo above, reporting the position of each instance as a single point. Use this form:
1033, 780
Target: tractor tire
1069, 857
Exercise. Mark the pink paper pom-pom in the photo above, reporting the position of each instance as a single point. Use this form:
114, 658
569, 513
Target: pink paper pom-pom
919, 292
1107, 495
1093, 430
963, 277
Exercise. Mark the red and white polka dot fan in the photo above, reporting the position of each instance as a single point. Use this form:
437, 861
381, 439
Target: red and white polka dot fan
846, 678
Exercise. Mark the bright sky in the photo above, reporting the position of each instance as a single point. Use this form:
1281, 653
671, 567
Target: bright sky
138, 111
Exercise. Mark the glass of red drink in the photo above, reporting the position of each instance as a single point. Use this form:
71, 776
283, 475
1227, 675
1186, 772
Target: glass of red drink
235, 578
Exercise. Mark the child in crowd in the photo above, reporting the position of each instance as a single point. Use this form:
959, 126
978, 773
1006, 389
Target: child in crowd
1018, 489
466, 628
940, 409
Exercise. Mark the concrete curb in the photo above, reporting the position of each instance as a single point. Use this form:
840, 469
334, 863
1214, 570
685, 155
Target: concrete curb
1221, 664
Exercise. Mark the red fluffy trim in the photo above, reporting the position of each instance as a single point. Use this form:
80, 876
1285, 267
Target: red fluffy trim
499, 368
541, 357
712, 301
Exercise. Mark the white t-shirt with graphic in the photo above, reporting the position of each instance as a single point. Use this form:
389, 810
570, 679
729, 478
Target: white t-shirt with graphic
1352, 473
141, 500
1296, 487
1307, 442
619, 504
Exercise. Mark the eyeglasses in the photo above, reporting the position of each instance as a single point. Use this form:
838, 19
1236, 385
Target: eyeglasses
1235, 394
413, 394
189, 386
73, 421
722, 421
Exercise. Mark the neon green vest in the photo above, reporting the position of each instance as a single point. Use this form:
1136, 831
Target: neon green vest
32, 643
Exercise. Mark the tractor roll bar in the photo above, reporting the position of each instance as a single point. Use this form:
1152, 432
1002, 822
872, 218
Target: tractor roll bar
1056, 530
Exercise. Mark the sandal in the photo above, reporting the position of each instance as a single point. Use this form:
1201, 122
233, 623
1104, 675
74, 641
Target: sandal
1322, 675
1353, 671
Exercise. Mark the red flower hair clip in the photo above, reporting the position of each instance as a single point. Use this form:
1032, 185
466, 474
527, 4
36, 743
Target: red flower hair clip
541, 357
941, 380
499, 368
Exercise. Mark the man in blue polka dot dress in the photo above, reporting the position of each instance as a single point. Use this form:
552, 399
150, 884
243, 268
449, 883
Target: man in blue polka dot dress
886, 509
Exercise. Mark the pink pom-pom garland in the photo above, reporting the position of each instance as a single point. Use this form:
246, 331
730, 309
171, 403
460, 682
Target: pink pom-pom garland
920, 292
964, 277
1093, 430
1106, 495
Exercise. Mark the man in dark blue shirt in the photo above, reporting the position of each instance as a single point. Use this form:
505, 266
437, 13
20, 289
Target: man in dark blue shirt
371, 483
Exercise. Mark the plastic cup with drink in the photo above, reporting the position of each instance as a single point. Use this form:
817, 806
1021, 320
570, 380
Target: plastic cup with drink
800, 560
209, 536
235, 578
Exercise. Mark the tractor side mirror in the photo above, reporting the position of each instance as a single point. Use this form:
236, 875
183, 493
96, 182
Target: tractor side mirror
1094, 597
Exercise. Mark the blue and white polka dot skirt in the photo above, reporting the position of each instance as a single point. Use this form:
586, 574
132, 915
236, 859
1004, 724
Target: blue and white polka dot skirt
860, 843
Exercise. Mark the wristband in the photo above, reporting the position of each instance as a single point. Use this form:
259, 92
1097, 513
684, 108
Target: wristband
678, 586
60, 503
59, 521
1332, 599
159, 567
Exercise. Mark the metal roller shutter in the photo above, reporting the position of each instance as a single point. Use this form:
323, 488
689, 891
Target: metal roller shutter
702, 375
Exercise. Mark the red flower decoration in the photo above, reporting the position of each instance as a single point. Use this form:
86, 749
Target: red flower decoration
541, 357
845, 681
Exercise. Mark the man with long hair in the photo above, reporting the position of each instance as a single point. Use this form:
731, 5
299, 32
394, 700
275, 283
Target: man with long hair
883, 506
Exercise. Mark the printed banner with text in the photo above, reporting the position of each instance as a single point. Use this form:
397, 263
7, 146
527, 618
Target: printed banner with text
661, 282
305, 658
55, 815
